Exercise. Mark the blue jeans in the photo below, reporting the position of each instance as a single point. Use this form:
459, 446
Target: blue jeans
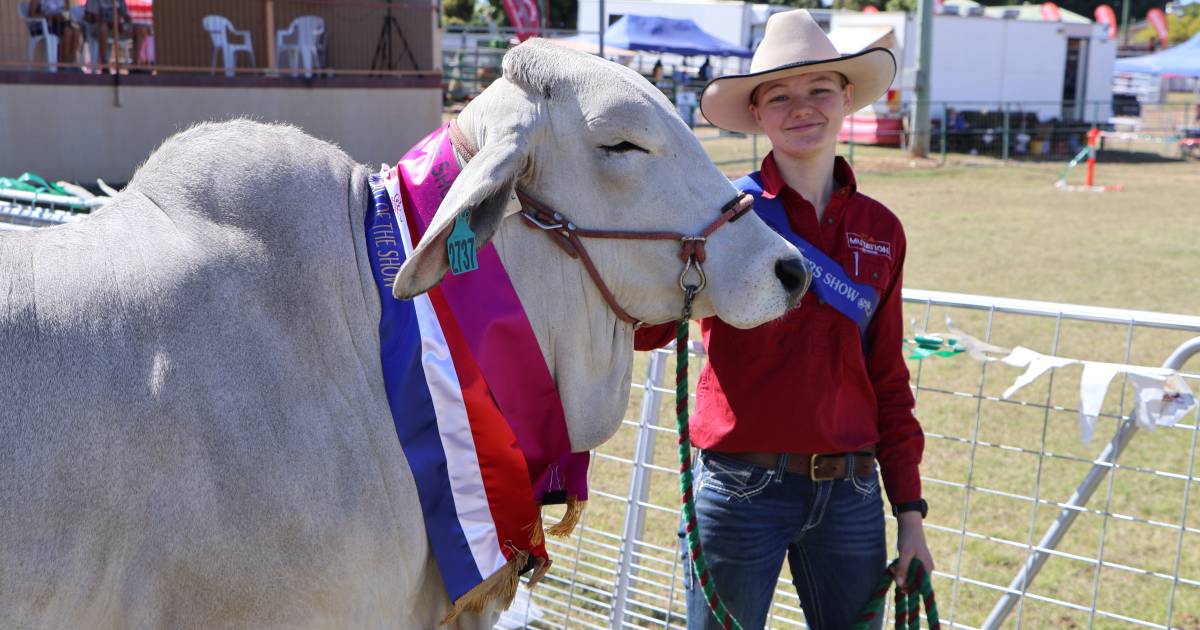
831, 532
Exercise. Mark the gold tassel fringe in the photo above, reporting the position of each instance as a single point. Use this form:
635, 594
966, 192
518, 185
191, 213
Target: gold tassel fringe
500, 586
537, 535
569, 520
543, 567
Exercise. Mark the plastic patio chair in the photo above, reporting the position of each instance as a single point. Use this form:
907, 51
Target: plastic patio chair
39, 25
303, 41
220, 29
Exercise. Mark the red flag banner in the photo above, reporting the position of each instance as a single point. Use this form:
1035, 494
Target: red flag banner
524, 16
1158, 20
1105, 15
1050, 12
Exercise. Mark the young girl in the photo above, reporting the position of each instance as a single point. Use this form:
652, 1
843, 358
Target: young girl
793, 417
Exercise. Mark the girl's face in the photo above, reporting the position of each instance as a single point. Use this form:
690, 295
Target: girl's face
803, 114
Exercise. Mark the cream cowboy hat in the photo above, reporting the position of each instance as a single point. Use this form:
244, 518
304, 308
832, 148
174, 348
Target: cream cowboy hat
794, 44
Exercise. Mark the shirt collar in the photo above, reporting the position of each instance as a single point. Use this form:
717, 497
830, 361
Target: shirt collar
773, 183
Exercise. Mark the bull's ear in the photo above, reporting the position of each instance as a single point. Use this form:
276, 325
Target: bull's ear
483, 189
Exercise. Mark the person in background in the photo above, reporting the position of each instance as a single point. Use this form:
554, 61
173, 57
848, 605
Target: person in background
794, 416
141, 14
101, 14
58, 18
705, 72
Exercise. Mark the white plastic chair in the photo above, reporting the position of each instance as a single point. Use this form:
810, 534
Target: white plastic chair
50, 39
220, 29
304, 42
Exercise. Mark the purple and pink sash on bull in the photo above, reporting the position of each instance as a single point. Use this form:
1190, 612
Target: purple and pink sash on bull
487, 442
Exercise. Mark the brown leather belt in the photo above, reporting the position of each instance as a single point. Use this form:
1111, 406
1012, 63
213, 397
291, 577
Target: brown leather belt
818, 467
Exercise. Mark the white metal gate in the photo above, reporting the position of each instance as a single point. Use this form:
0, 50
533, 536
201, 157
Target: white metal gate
1012, 489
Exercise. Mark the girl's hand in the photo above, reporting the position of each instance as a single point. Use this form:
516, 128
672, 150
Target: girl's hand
910, 542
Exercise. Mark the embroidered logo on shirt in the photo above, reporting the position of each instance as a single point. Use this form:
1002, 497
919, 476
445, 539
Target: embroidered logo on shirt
867, 245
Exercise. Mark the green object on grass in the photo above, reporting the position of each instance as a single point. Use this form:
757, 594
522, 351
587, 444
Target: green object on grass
923, 346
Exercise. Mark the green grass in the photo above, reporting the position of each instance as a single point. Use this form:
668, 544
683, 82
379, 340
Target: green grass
989, 228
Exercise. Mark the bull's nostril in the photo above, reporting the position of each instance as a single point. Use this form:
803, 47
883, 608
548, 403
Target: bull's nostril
794, 275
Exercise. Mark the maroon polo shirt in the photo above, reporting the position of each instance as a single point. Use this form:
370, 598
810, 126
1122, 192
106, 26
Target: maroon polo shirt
803, 384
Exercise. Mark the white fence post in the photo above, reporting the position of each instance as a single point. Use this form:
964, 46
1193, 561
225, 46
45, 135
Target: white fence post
639, 483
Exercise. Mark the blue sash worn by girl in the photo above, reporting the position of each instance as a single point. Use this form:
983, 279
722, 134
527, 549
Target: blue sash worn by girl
855, 300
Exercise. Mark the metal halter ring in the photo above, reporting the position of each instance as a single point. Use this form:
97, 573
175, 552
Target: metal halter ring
692, 263
692, 288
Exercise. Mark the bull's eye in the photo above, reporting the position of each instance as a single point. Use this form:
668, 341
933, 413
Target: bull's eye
623, 147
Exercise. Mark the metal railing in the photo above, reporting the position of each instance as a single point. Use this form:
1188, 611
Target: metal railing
23, 209
1000, 475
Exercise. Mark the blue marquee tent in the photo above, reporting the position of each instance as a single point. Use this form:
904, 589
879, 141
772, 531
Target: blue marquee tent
660, 34
1181, 59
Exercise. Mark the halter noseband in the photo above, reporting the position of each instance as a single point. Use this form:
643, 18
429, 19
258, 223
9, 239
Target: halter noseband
567, 236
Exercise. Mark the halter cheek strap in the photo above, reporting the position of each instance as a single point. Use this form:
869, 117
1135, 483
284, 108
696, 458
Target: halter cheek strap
568, 236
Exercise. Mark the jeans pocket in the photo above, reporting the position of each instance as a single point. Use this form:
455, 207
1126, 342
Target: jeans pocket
866, 485
732, 479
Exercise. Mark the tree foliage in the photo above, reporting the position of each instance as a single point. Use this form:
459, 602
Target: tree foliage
1087, 8
560, 14
458, 11
1180, 28
492, 11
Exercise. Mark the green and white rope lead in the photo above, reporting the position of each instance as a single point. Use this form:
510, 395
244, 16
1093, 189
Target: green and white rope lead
696, 553
908, 605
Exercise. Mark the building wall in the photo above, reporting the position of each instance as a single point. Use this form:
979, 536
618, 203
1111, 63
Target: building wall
74, 132
1102, 58
986, 61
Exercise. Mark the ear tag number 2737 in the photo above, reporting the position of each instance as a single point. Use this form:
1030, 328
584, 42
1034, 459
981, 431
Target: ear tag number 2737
460, 247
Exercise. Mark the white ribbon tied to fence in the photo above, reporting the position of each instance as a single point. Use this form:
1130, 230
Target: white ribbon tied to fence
1162, 396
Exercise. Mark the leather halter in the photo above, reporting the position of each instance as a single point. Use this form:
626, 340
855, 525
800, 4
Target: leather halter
567, 235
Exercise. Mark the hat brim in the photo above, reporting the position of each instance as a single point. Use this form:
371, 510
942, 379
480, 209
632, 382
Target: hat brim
725, 101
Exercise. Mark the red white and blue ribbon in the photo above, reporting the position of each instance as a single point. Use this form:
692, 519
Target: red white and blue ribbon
486, 443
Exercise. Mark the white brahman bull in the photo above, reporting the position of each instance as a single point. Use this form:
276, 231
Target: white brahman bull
193, 426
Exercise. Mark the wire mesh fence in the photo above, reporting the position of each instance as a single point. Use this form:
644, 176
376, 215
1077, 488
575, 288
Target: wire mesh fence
999, 473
